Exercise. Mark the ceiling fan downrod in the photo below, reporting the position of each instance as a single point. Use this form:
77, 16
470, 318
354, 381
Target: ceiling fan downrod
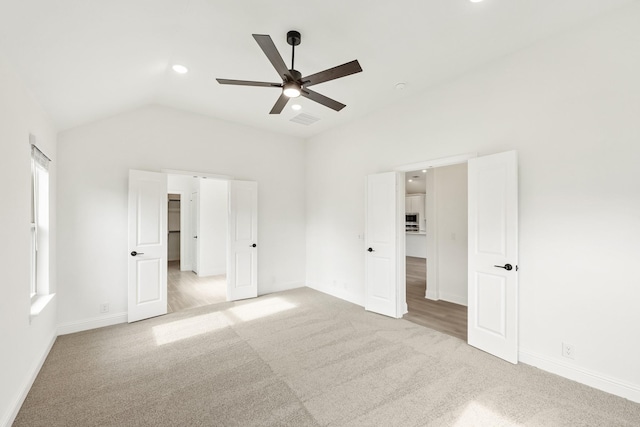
293, 38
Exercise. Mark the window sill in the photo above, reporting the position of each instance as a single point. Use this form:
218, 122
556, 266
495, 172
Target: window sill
39, 303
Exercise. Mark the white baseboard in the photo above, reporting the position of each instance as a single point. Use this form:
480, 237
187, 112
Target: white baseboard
431, 295
27, 386
456, 299
290, 285
93, 323
584, 376
214, 272
338, 293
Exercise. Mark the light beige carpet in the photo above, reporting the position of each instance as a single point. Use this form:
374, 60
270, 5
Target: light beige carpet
298, 358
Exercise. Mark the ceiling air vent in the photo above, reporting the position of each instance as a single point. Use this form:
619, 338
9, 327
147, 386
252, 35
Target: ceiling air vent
304, 119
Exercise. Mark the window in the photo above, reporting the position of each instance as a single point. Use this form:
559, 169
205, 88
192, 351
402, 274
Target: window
39, 283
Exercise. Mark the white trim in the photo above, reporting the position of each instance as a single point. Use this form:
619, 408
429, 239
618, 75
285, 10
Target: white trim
453, 298
216, 272
432, 295
197, 174
401, 242
593, 379
431, 210
338, 293
92, 323
38, 303
435, 163
283, 287
17, 404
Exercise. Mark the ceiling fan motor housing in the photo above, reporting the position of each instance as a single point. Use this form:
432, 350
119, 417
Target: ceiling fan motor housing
293, 38
297, 76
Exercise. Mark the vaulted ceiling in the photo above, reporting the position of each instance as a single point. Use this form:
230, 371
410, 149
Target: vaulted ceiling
88, 59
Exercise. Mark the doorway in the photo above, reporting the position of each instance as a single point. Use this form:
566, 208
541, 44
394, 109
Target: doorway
197, 242
492, 245
148, 230
436, 248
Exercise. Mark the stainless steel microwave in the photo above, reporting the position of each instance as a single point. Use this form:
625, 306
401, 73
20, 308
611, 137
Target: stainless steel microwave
412, 218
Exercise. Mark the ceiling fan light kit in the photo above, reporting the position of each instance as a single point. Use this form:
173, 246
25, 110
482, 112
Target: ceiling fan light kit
293, 83
291, 89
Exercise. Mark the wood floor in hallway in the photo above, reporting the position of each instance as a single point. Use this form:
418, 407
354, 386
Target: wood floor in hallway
186, 290
442, 316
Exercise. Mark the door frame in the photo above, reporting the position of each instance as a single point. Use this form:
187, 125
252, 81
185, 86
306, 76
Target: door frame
194, 174
427, 164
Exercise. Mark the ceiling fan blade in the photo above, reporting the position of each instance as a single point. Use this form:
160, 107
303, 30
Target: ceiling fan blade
269, 49
332, 73
321, 99
279, 105
247, 83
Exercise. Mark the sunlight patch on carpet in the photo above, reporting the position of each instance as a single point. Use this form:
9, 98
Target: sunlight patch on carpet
261, 308
190, 327
476, 414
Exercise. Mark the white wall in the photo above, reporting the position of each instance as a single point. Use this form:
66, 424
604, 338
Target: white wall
94, 162
570, 106
212, 235
447, 236
24, 343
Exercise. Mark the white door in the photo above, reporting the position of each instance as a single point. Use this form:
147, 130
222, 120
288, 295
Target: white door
384, 234
147, 245
493, 255
195, 229
242, 251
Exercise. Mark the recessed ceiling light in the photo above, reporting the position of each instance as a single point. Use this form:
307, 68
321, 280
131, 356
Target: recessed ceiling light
475, 1
424, 171
180, 69
410, 180
400, 86
296, 107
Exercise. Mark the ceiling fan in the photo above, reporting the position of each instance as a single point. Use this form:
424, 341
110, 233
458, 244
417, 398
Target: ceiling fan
293, 84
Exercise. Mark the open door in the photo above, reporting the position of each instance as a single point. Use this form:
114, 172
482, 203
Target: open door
384, 234
242, 251
195, 229
493, 255
147, 245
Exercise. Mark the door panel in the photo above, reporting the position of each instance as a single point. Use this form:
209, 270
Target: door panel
490, 290
242, 276
147, 245
492, 210
149, 270
493, 243
384, 225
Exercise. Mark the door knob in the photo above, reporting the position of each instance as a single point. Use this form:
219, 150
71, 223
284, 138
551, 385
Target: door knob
134, 253
370, 250
254, 245
507, 267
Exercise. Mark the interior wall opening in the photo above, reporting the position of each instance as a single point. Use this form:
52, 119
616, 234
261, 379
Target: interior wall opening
197, 241
436, 248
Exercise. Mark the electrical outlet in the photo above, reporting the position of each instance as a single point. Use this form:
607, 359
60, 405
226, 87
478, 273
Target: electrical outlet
104, 307
568, 350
